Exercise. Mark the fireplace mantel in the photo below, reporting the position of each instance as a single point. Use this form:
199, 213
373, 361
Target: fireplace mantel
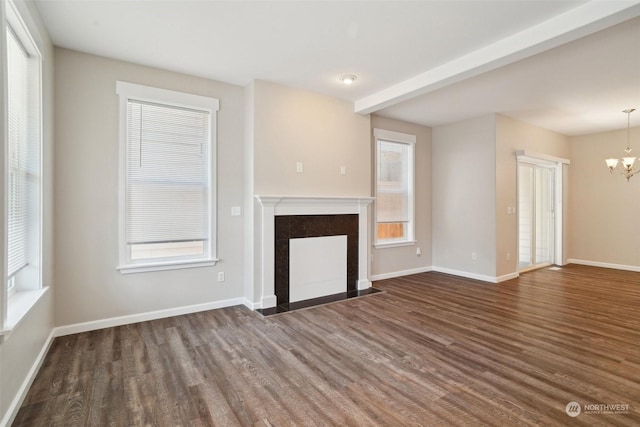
314, 205
272, 206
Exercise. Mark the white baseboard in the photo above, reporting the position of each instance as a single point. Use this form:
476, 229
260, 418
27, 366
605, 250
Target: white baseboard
604, 264
506, 277
268, 302
143, 317
14, 407
364, 284
251, 305
490, 279
400, 273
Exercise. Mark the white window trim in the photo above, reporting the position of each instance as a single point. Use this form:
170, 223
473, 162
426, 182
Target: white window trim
410, 140
397, 244
21, 300
127, 91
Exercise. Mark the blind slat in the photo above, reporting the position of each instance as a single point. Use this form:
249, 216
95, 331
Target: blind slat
18, 153
167, 174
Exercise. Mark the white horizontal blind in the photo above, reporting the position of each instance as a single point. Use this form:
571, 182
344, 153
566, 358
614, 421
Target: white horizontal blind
392, 190
167, 174
18, 154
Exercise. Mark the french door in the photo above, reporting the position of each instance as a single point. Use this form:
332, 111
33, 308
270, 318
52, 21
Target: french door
536, 210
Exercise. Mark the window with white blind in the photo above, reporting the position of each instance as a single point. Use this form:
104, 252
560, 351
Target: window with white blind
167, 202
394, 205
23, 173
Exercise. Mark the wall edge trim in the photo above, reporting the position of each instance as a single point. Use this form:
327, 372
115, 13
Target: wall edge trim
468, 275
251, 305
506, 277
635, 268
93, 325
400, 273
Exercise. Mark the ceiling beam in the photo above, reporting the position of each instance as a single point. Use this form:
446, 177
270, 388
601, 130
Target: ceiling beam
576, 23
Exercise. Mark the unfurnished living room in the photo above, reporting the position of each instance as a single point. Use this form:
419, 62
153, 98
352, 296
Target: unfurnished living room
320, 213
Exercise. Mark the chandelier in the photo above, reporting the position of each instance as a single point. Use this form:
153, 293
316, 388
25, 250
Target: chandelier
628, 161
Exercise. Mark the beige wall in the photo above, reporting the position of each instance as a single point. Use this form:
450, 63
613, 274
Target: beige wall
289, 126
464, 197
474, 182
20, 352
604, 209
323, 133
513, 135
401, 260
89, 287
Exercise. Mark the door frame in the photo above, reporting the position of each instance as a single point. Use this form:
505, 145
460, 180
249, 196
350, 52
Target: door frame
557, 163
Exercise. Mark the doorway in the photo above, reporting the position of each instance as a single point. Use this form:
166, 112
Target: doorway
536, 215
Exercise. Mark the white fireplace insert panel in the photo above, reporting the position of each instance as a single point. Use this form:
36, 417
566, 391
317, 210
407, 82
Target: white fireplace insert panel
317, 267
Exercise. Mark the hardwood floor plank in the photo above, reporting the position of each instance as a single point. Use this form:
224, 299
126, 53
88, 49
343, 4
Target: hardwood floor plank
431, 350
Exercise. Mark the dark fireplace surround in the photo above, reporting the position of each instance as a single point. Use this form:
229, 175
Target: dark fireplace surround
308, 216
303, 226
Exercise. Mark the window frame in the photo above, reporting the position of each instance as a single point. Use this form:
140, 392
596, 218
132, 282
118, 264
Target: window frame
125, 92
383, 135
23, 290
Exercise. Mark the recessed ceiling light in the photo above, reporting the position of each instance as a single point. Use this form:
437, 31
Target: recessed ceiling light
348, 79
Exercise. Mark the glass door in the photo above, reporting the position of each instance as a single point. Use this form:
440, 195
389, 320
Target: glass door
536, 220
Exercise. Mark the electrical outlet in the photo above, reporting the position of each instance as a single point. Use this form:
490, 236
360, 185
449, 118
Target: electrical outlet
221, 276
299, 167
474, 256
418, 251
343, 170
508, 256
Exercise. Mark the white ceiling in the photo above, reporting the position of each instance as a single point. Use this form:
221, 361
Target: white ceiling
568, 66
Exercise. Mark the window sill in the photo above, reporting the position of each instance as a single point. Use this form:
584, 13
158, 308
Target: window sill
394, 244
144, 268
18, 306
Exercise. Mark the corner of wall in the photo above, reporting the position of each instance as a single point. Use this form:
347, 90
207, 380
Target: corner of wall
249, 205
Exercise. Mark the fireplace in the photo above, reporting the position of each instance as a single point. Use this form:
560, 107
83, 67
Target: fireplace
321, 235
286, 219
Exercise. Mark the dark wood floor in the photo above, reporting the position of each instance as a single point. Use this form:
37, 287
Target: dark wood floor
432, 350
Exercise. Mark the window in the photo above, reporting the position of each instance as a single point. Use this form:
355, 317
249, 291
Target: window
394, 206
167, 202
23, 165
